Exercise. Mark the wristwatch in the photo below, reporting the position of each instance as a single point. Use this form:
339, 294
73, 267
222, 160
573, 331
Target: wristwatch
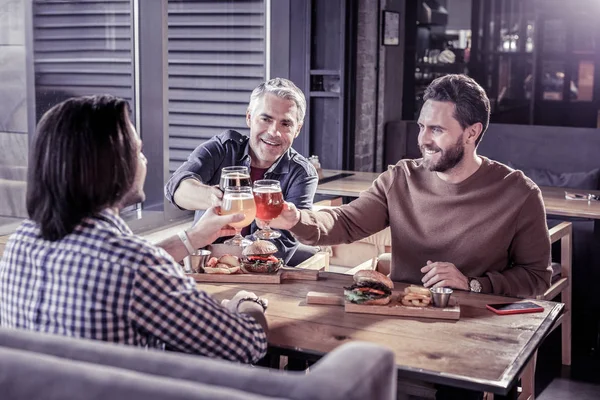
474, 285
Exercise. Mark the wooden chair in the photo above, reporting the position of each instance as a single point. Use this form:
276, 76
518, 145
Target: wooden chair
561, 284
349, 255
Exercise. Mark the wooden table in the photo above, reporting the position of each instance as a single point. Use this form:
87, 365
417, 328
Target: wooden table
482, 351
556, 204
345, 183
353, 183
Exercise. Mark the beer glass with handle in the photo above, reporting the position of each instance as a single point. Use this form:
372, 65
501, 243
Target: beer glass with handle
239, 199
234, 176
269, 204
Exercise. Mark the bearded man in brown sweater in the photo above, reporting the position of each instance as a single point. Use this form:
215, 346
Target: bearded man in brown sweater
457, 219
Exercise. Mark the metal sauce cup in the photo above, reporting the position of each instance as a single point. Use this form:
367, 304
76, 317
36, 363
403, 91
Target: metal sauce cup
440, 296
196, 261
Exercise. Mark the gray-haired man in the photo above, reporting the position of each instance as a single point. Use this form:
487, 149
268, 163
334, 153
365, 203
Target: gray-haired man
275, 116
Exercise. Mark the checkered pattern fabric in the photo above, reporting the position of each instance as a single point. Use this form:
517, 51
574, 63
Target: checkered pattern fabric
102, 282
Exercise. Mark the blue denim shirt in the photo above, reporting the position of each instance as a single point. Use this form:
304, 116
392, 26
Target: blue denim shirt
297, 176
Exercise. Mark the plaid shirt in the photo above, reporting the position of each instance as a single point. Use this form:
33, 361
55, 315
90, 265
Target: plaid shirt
102, 282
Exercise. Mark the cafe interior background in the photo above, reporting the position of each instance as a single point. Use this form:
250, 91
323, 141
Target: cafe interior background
187, 69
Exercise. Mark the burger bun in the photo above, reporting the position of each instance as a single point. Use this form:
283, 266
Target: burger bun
260, 247
259, 258
373, 276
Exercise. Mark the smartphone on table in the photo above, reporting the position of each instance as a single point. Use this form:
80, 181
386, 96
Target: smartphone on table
520, 307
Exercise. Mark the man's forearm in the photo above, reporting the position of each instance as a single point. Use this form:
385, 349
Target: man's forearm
175, 247
192, 195
319, 228
521, 281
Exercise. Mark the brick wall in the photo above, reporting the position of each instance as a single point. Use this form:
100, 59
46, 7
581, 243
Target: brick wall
367, 47
378, 83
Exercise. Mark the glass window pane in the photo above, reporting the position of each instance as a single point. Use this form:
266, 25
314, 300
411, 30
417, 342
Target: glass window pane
554, 36
79, 48
584, 40
217, 56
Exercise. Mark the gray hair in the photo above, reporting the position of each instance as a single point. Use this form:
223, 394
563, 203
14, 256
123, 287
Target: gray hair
282, 88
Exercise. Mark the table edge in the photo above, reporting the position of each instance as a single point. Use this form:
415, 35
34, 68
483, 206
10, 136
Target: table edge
500, 387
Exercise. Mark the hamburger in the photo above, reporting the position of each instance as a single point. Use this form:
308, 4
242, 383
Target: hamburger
226, 264
370, 288
259, 258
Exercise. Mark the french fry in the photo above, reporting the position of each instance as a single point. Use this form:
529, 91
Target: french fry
406, 303
419, 290
415, 296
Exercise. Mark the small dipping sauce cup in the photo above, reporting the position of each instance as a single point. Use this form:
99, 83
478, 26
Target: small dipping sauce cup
440, 296
196, 261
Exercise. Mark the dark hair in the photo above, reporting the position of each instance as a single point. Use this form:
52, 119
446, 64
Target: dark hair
471, 102
83, 160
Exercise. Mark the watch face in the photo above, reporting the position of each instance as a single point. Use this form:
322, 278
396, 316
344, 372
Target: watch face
475, 285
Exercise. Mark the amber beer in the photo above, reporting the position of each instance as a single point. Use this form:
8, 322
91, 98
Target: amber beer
242, 202
234, 179
269, 202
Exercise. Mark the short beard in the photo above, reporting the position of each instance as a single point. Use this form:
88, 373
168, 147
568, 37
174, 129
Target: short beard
449, 158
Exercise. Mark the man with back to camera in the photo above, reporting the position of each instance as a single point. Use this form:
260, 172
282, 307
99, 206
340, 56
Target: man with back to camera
76, 269
457, 219
275, 116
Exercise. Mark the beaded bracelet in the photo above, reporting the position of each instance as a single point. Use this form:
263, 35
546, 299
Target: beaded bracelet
256, 300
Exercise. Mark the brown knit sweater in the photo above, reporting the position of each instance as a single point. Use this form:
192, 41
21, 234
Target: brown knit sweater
492, 226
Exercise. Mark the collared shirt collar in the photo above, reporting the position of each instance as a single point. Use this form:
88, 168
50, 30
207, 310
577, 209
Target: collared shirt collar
281, 166
112, 217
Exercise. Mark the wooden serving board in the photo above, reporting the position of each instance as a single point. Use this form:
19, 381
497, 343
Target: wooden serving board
284, 273
307, 270
393, 308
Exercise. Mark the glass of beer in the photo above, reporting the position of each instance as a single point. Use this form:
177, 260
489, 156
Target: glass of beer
234, 176
239, 200
269, 204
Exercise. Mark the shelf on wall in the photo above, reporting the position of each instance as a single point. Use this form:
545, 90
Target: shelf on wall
324, 94
324, 72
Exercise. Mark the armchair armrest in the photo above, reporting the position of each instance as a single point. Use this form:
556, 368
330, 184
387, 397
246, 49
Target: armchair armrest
559, 231
372, 368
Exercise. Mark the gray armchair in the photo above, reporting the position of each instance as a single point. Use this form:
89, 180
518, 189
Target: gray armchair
35, 365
